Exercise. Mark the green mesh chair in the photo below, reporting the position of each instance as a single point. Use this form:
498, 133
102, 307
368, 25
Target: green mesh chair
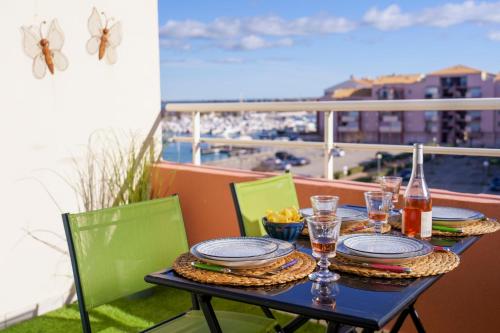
253, 198
113, 249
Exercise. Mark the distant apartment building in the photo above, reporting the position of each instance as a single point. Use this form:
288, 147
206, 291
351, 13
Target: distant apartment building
474, 128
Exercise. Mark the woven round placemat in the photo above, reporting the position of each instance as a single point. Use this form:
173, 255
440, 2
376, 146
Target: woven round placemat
354, 228
486, 226
433, 264
304, 266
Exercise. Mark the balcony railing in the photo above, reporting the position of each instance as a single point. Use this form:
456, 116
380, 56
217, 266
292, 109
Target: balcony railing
329, 107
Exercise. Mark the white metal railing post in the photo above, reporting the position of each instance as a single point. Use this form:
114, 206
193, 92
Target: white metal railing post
328, 141
196, 147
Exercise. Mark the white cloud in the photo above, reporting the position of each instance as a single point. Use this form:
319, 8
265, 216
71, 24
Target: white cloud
259, 32
184, 30
392, 17
175, 44
196, 62
277, 26
249, 33
229, 61
254, 42
457, 13
494, 36
258, 25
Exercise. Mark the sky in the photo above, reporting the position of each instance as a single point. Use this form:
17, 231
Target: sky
236, 49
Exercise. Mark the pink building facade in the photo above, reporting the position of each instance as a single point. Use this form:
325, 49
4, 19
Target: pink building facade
462, 128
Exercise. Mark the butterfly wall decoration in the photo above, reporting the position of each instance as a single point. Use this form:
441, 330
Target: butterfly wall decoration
45, 50
104, 38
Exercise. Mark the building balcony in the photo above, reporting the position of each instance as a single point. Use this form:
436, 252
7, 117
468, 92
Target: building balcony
432, 118
209, 212
392, 127
390, 119
348, 128
471, 118
432, 128
349, 119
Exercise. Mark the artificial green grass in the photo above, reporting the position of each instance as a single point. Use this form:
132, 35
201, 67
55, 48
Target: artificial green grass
135, 314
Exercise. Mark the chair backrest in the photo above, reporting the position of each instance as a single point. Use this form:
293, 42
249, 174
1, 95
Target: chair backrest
113, 249
253, 198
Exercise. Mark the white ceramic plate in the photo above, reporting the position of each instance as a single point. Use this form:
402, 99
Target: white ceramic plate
236, 248
383, 244
344, 251
346, 214
443, 213
284, 249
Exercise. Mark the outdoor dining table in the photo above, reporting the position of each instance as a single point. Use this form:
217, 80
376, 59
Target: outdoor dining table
368, 303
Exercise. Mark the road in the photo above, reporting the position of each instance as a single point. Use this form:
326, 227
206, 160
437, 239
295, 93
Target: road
314, 169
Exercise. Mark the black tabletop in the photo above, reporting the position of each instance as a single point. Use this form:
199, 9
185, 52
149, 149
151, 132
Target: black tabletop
359, 301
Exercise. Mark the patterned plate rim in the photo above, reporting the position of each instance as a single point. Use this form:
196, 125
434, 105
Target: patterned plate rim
358, 258
286, 250
406, 256
474, 214
243, 239
386, 237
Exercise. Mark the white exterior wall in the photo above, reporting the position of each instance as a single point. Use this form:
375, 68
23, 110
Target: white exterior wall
43, 123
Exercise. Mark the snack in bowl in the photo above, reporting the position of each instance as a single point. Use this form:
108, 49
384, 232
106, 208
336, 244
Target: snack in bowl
285, 224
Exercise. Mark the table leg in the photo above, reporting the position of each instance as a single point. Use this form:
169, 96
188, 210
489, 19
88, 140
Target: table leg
194, 301
410, 310
295, 324
208, 311
400, 320
269, 314
332, 327
416, 320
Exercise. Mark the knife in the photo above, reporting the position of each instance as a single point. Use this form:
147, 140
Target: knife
224, 270
382, 267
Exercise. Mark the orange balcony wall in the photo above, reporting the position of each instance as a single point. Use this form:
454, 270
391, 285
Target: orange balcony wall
464, 300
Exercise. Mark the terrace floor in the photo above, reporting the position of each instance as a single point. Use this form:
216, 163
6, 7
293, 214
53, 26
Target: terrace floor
135, 314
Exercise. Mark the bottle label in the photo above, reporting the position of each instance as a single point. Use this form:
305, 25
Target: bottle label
426, 224
403, 222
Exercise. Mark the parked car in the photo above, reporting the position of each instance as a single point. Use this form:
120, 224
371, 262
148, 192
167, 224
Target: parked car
337, 152
495, 184
287, 158
271, 163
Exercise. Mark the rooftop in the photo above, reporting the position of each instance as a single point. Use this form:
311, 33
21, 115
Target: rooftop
398, 79
352, 82
352, 93
456, 70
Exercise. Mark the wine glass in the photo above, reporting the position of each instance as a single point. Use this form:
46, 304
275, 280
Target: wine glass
324, 232
377, 205
391, 184
324, 204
